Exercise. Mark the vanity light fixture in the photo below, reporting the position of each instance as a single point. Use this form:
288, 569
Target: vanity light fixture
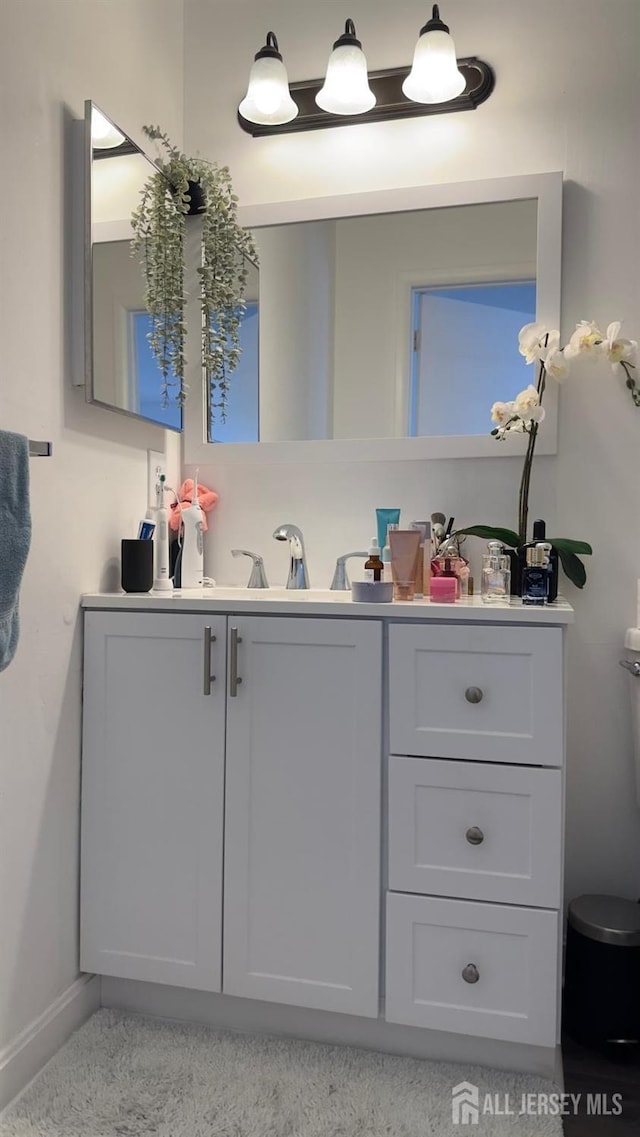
104, 135
267, 101
437, 83
434, 75
346, 87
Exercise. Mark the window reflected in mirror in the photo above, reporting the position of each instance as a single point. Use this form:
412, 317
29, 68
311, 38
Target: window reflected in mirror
124, 374
469, 330
242, 420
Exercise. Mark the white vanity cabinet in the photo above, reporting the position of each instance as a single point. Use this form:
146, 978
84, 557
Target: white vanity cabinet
476, 727
302, 843
301, 713
361, 815
153, 798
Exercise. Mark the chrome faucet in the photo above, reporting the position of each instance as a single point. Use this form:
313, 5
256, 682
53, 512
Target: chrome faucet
340, 582
258, 578
298, 575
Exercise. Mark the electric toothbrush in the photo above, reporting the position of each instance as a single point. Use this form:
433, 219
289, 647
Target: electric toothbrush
162, 581
192, 560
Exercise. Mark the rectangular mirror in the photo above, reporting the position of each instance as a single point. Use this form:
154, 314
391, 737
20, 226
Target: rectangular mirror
120, 370
388, 322
390, 326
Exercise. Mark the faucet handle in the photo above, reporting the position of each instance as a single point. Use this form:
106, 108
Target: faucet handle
258, 578
340, 582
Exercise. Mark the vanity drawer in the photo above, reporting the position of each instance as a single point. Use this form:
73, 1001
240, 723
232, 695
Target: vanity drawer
477, 969
475, 830
486, 693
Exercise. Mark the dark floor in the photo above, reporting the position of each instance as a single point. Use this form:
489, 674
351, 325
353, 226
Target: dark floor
602, 1074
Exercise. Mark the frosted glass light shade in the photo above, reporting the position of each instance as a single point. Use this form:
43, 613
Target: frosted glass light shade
268, 99
346, 87
104, 135
434, 75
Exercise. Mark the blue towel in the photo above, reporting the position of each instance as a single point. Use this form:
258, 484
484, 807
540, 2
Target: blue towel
15, 536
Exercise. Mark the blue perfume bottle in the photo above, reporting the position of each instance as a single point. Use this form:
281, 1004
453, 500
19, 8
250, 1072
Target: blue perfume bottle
536, 575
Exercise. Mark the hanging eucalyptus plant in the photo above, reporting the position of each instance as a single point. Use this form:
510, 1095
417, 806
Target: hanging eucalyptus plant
182, 186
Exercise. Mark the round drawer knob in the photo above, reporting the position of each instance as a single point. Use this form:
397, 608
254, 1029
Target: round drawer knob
474, 835
470, 973
474, 694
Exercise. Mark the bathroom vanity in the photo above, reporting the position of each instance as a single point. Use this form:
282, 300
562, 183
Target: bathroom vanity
353, 809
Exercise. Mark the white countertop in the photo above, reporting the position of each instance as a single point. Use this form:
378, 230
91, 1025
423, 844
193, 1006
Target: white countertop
316, 602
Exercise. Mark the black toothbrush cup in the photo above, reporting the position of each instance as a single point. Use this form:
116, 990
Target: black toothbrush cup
136, 565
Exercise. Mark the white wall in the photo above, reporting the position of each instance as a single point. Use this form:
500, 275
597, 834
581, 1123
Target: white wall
296, 322
127, 55
566, 97
118, 290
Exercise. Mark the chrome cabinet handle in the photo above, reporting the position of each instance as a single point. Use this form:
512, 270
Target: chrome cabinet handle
474, 694
208, 678
234, 678
474, 835
470, 973
634, 667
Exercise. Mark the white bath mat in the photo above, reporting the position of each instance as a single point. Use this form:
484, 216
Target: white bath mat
125, 1076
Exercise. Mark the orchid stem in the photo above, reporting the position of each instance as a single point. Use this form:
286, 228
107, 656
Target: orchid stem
525, 481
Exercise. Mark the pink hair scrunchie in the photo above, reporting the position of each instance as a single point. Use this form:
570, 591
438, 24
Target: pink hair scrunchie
207, 499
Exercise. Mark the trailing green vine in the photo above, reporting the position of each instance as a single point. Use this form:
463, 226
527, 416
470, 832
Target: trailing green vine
159, 225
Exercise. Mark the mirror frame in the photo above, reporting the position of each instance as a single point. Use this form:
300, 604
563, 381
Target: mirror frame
546, 188
84, 162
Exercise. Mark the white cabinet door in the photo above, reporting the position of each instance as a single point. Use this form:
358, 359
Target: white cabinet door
302, 828
153, 798
485, 693
475, 830
477, 969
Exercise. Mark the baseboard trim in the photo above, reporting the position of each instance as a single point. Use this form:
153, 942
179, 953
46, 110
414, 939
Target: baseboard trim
252, 1016
23, 1058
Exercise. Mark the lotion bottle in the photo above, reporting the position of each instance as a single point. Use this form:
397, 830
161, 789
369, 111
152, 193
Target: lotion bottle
385, 556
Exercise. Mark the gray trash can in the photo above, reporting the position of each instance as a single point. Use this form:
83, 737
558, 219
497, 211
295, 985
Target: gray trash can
601, 1001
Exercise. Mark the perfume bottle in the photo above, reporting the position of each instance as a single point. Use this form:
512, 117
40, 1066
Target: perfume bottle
536, 575
449, 562
496, 574
539, 536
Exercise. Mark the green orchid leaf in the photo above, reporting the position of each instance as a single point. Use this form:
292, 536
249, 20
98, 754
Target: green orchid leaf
491, 533
569, 546
573, 567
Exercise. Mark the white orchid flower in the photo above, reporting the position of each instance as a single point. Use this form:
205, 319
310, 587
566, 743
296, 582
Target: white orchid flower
619, 350
556, 365
532, 341
536, 414
586, 340
526, 401
550, 344
501, 413
519, 426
